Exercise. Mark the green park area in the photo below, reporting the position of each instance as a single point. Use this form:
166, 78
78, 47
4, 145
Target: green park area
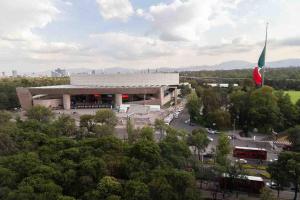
295, 95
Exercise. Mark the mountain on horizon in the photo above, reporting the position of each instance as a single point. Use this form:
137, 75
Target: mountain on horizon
228, 65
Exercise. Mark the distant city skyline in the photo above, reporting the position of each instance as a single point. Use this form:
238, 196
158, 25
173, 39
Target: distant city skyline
40, 35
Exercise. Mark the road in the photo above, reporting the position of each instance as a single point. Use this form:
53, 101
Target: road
179, 123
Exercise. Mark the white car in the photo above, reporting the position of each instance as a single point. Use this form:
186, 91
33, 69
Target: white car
211, 139
211, 131
241, 160
187, 121
273, 160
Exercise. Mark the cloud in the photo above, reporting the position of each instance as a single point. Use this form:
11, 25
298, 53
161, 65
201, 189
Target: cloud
287, 42
115, 9
18, 20
118, 45
187, 20
19, 17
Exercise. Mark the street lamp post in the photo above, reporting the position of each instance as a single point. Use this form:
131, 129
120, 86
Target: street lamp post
234, 121
233, 135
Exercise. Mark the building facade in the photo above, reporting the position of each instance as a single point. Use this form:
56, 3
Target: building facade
97, 91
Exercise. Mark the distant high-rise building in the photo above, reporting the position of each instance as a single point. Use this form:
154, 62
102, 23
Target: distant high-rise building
3, 74
59, 73
93, 72
14, 73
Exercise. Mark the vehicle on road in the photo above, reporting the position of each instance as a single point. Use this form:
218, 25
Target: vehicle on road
242, 161
287, 147
244, 183
211, 139
272, 185
250, 152
187, 121
273, 160
211, 131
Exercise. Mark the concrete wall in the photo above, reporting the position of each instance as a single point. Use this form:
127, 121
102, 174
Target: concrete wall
127, 80
50, 103
25, 97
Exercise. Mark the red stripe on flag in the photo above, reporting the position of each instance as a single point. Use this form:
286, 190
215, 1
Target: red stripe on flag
257, 76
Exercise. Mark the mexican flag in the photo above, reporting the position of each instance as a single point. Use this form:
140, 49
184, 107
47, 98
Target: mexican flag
261, 63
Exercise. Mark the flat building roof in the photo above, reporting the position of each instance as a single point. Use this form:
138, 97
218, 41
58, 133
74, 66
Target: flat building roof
126, 80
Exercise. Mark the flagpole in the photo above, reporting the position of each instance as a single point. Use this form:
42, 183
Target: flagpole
263, 81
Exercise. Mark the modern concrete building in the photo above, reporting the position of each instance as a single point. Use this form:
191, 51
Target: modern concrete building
97, 91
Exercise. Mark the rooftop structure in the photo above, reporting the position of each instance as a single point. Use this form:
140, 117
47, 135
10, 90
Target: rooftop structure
96, 91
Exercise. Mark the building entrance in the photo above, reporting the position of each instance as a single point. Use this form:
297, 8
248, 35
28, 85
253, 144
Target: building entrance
92, 101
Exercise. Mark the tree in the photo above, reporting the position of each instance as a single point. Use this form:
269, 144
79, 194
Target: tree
130, 131
88, 122
7, 178
222, 150
136, 190
298, 111
175, 151
293, 167
239, 108
107, 117
161, 189
160, 125
109, 186
182, 182
193, 105
4, 116
294, 137
266, 194
234, 171
147, 133
287, 110
219, 118
35, 187
4, 101
40, 113
146, 151
264, 112
65, 125
289, 163
200, 140
185, 90
104, 130
7, 144
211, 101
278, 175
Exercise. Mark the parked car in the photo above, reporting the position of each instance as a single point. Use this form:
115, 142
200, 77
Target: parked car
293, 189
233, 137
192, 124
208, 155
211, 139
211, 131
242, 161
187, 121
273, 160
272, 185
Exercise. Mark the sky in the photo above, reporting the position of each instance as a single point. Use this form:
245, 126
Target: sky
38, 35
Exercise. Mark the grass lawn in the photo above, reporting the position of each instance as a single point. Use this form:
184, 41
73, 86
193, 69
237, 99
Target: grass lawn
295, 95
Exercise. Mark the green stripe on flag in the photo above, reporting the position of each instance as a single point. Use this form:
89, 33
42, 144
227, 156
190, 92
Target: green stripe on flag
261, 60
